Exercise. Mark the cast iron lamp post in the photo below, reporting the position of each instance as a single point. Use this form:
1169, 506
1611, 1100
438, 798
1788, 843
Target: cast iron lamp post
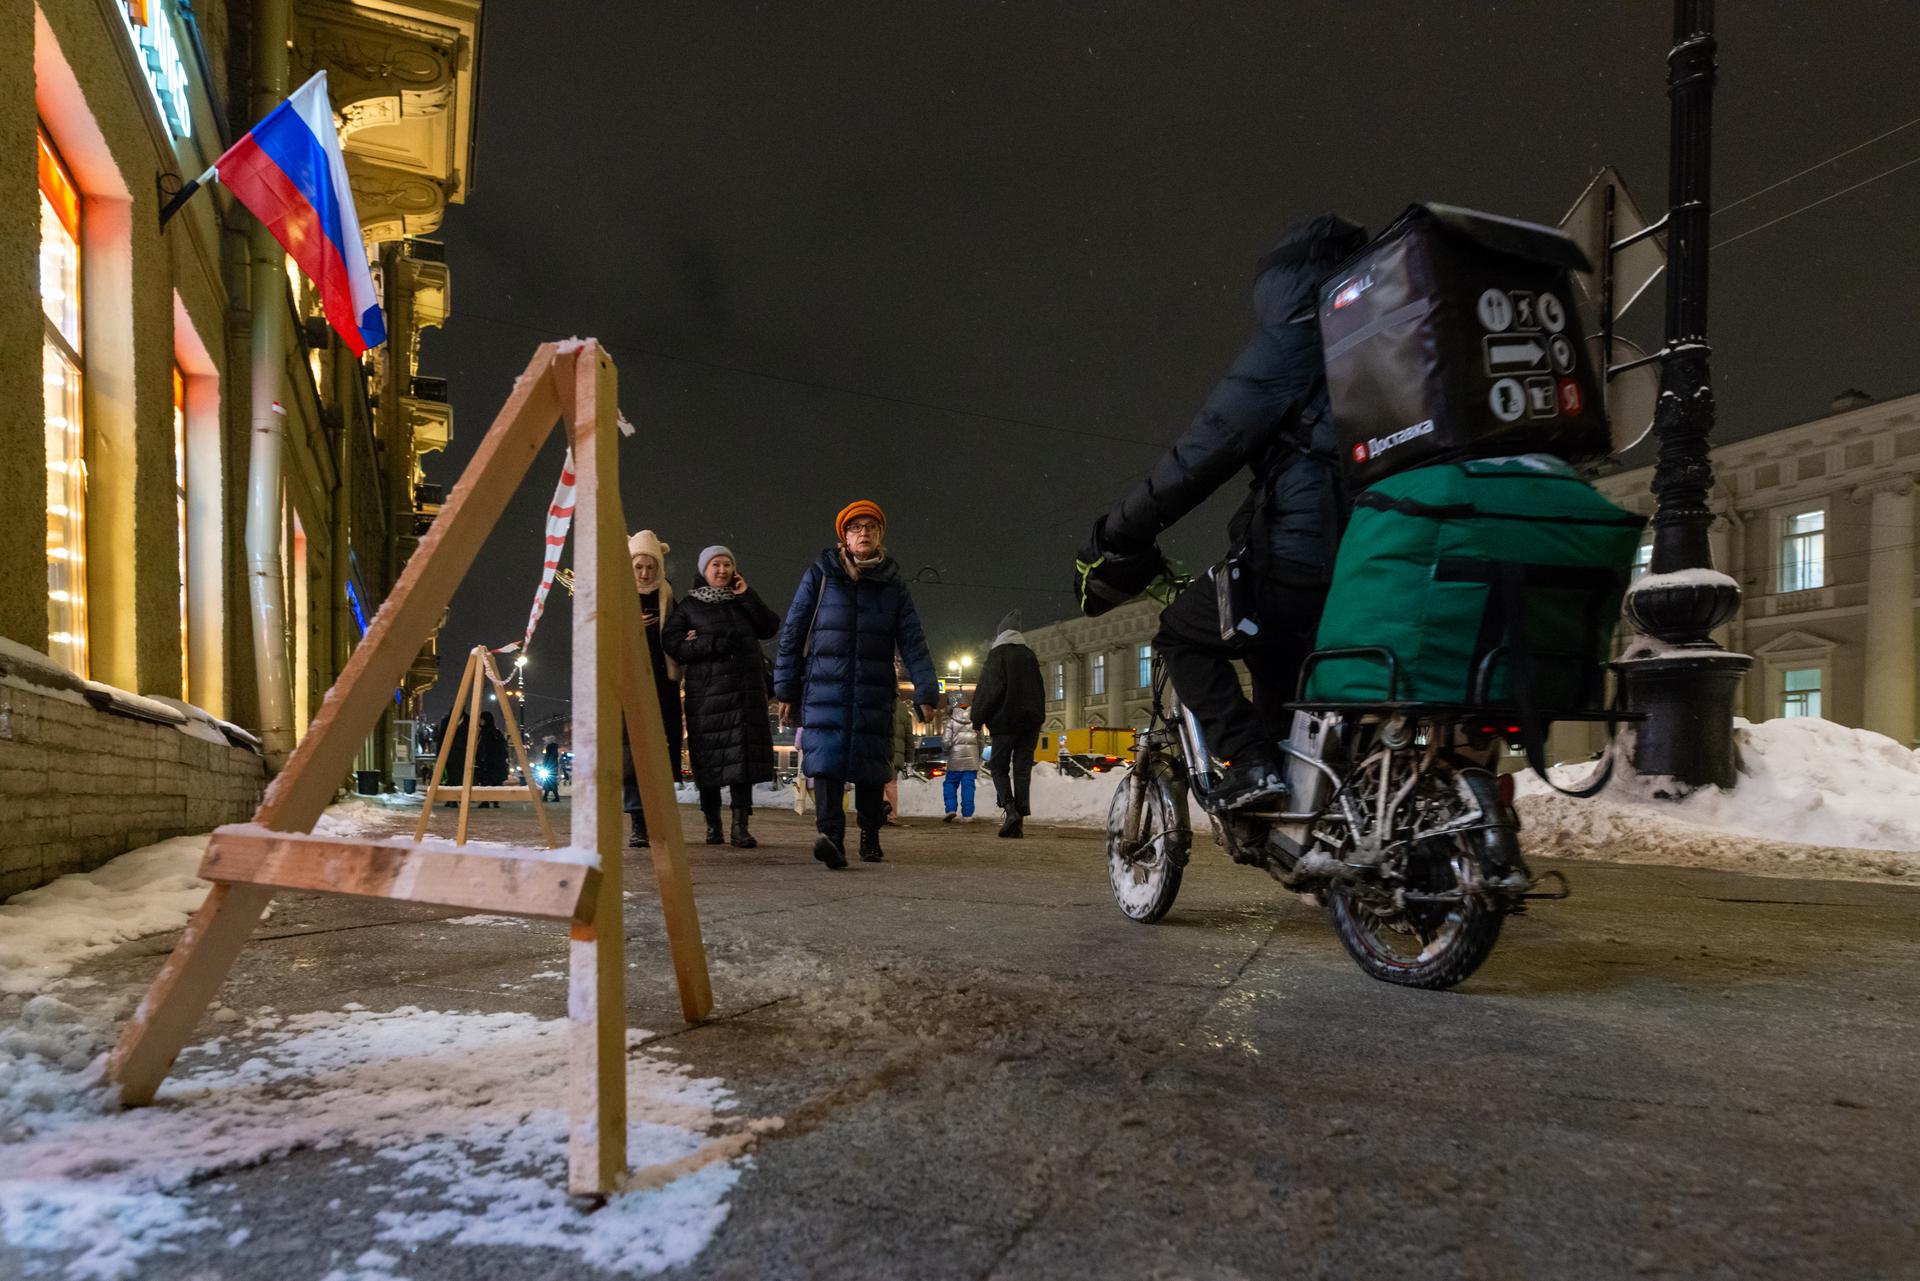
1676, 673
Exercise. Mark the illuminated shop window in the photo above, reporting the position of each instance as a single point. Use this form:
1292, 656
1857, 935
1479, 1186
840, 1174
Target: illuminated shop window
150, 27
62, 371
180, 510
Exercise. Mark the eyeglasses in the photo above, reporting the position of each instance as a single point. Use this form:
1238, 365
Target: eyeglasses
863, 527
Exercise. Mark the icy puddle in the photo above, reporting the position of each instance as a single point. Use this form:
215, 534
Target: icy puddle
450, 1129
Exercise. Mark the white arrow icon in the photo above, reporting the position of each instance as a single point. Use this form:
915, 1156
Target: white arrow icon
1507, 354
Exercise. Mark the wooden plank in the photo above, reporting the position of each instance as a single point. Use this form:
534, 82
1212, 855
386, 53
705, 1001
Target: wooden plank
596, 984
517, 886
505, 792
294, 802
473, 747
440, 763
519, 749
640, 704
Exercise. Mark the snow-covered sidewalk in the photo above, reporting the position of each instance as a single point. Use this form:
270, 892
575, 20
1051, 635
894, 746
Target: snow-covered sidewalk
452, 1122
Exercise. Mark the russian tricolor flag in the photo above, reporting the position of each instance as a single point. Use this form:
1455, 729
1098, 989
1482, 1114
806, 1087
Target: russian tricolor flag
290, 173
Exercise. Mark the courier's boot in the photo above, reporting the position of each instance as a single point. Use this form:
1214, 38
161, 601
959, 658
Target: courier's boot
1246, 783
742, 838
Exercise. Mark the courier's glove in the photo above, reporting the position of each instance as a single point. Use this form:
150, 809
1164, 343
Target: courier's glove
1103, 578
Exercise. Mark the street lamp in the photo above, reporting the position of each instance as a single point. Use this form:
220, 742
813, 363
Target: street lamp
1685, 683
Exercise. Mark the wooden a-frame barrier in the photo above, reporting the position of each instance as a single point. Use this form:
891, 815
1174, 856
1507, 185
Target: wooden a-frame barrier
573, 381
480, 671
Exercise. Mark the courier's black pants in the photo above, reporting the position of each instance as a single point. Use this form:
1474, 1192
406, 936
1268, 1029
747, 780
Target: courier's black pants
1011, 767
830, 807
1201, 664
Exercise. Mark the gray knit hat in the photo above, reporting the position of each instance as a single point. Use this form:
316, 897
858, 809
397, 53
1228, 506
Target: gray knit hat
710, 552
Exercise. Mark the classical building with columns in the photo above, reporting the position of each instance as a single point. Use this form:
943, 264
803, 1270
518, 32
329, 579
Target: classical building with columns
146, 549
1815, 521
1816, 524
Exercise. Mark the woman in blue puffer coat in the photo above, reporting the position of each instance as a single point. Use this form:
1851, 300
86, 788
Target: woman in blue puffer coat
835, 676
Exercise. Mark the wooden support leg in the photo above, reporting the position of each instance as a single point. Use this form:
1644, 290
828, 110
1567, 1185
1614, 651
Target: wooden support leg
473, 745
640, 704
440, 761
520, 749
596, 985
183, 989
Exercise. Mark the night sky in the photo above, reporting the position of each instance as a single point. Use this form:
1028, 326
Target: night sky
980, 262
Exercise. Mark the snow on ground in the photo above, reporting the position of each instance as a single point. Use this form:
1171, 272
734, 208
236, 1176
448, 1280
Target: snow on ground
44, 933
1813, 799
455, 1122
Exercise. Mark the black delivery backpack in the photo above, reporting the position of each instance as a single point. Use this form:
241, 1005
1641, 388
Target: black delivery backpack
1452, 335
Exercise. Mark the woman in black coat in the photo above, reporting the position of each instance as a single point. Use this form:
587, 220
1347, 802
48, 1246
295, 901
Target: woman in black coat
715, 635
649, 557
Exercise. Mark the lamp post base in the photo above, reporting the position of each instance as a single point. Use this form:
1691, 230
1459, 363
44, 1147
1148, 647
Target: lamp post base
1687, 697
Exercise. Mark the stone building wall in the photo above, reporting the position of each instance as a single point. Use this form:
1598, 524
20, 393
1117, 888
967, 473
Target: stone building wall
79, 785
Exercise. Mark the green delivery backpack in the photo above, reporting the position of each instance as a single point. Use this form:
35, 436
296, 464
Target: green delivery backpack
1491, 582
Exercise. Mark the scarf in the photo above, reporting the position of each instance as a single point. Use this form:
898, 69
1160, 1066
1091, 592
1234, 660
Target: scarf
854, 566
712, 595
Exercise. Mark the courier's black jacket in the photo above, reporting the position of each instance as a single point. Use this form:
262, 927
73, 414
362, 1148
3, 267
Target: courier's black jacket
1268, 413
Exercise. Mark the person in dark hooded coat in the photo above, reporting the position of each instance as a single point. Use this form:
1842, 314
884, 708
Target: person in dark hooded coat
1269, 415
835, 675
714, 633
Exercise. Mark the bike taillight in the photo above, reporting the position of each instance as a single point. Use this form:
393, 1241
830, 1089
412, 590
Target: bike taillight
1503, 788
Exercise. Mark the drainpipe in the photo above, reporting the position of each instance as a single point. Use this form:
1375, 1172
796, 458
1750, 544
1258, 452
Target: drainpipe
266, 585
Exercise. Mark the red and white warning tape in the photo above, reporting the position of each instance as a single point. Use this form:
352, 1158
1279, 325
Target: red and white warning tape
559, 520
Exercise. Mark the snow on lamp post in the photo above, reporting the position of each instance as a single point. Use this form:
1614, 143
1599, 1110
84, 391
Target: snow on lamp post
1674, 672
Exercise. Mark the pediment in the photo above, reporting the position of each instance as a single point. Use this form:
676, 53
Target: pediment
1795, 642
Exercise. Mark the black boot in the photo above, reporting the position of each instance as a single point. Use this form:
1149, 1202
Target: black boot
742, 838
638, 840
1013, 825
714, 835
828, 851
870, 851
1244, 783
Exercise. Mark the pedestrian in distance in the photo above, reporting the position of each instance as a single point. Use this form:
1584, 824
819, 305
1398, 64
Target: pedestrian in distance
1011, 703
834, 676
550, 764
648, 556
490, 768
715, 635
962, 739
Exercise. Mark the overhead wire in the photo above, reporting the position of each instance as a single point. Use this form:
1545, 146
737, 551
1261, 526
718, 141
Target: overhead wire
1814, 204
1840, 155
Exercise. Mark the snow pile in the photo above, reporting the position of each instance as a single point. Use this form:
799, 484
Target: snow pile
45, 932
1814, 799
455, 1123
1055, 797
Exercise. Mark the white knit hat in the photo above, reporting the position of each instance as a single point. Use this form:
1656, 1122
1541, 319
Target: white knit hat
649, 542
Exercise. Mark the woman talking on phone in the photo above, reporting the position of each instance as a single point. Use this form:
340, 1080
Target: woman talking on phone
714, 633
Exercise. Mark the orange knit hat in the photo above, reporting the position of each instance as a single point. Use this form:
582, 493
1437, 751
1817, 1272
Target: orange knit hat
858, 507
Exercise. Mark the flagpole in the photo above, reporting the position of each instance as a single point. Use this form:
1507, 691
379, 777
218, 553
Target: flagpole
185, 194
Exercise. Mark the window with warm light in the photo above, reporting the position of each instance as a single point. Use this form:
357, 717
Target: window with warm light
62, 371
180, 510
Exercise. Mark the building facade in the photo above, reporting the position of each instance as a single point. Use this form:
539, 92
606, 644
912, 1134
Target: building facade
1816, 522
141, 547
